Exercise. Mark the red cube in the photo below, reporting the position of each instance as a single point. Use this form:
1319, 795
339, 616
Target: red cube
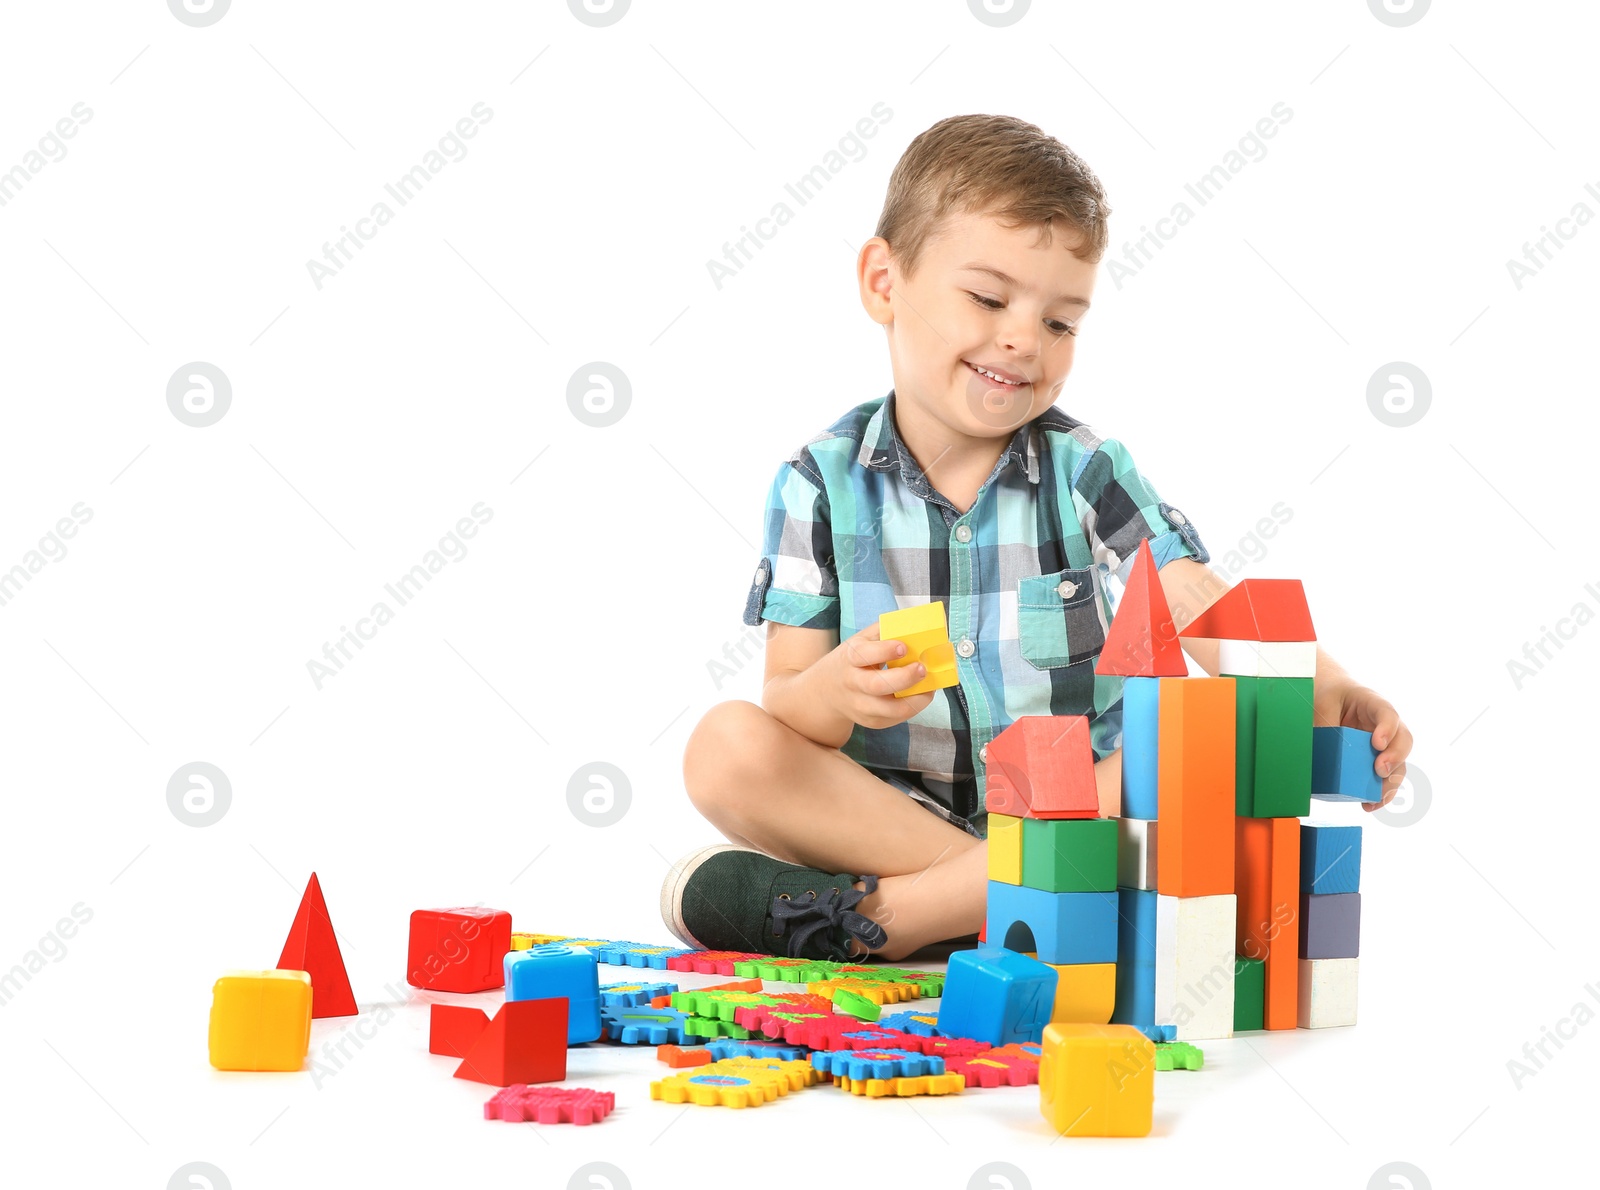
458, 950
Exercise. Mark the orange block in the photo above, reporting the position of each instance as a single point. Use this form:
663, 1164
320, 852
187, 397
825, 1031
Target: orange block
1042, 766
1267, 880
1194, 782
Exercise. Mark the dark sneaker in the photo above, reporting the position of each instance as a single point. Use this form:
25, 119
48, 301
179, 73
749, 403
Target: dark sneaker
731, 898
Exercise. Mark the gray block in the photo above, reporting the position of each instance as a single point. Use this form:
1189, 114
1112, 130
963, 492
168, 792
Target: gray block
1330, 925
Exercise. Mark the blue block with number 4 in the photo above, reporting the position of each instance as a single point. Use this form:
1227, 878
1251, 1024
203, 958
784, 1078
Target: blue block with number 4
996, 995
553, 970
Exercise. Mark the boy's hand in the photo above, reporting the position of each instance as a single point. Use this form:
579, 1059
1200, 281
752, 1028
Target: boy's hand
1349, 705
863, 692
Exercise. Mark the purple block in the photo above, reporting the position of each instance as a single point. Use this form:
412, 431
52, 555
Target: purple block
1330, 925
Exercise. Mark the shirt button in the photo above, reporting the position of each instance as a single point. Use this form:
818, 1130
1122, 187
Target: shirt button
983, 754
963, 533
965, 647
1067, 589
1176, 517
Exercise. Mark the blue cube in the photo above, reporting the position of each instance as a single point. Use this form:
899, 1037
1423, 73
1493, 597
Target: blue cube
996, 995
1341, 765
553, 970
1330, 858
1064, 927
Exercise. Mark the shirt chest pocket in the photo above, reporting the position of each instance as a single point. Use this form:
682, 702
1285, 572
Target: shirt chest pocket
1058, 618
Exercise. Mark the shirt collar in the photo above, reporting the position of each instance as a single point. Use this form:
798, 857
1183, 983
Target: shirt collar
882, 447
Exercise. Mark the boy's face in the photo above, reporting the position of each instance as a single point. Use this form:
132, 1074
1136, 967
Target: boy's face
956, 316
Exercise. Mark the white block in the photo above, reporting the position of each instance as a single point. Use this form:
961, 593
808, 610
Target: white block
1327, 993
1136, 853
1268, 658
1194, 965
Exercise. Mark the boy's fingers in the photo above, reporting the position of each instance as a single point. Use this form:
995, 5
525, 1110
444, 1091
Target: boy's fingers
887, 681
864, 648
1391, 786
1394, 756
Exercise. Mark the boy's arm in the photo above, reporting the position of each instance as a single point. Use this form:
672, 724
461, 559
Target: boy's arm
792, 656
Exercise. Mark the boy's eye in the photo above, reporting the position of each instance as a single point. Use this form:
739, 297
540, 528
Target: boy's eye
1055, 324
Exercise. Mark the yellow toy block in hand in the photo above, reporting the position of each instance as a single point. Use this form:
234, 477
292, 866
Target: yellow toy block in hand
260, 1020
922, 629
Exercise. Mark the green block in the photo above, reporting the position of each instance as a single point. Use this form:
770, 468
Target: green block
856, 1005
1070, 854
1272, 756
1249, 994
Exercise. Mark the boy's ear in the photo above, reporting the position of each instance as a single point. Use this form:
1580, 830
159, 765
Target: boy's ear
872, 272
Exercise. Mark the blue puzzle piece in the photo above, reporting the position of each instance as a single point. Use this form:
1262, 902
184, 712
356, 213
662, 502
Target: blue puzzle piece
1330, 858
862, 1064
636, 954
997, 995
646, 1026
1140, 736
1341, 765
1158, 1033
557, 970
633, 995
918, 1024
1136, 959
1066, 927
727, 1047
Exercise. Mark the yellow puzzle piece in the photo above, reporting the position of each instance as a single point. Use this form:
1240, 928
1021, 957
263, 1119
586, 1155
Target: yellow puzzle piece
732, 1082
260, 1020
904, 1087
922, 629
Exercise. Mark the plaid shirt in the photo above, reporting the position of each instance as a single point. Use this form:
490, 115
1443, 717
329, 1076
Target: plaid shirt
855, 529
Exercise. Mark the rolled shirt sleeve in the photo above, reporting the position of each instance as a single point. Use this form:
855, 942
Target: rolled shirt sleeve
795, 581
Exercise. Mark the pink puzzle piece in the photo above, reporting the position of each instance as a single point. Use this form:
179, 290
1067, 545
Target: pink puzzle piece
520, 1103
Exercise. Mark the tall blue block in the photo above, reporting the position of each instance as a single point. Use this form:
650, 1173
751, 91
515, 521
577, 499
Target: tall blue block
996, 995
1330, 858
1140, 736
1068, 927
552, 970
1136, 958
1341, 765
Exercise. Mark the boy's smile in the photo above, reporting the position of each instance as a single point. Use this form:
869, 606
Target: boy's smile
981, 337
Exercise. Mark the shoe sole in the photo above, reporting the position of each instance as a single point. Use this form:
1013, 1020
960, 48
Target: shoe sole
677, 880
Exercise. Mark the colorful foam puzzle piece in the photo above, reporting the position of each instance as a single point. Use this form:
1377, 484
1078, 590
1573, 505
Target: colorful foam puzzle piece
784, 970
1136, 958
1136, 853
877, 1063
923, 1024
927, 639
1005, 848
556, 969
1097, 1080
635, 954
1342, 760
1042, 766
1197, 787
1086, 993
1060, 927
633, 995
458, 950
720, 1005
1179, 1055
1267, 876
856, 1005
1069, 854
708, 962
727, 1047
1330, 925
1194, 965
879, 991
525, 1042
260, 1020
1272, 747
718, 1085
645, 1026
1141, 748
1259, 609
1327, 993
997, 995
1003, 1067
927, 983
1330, 858
679, 1058
520, 1103
904, 1088
1142, 641
312, 947
708, 1027
453, 1028
1250, 993
799, 1073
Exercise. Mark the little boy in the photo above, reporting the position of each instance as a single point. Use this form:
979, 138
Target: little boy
856, 819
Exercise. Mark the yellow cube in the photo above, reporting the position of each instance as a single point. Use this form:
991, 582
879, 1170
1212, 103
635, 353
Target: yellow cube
1085, 992
1005, 849
260, 1020
922, 629
1097, 1080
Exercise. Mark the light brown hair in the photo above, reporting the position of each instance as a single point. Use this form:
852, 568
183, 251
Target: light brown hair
998, 165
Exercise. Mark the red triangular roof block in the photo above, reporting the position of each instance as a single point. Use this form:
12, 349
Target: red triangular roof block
1042, 766
526, 1042
1142, 642
312, 948
1260, 609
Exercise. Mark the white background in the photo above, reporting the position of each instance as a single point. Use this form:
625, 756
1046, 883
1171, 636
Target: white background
431, 373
